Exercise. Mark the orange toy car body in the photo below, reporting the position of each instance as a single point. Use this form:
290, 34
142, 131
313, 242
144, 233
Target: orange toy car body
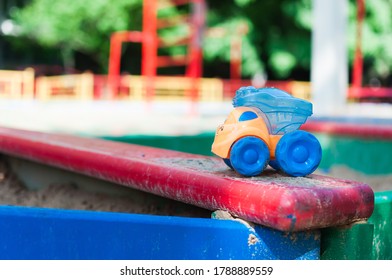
235, 128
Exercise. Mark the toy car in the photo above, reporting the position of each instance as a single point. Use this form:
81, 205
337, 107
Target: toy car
262, 130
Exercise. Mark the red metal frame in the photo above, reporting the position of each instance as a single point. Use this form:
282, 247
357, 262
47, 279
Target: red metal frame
116, 41
149, 45
358, 60
236, 60
357, 90
284, 203
151, 42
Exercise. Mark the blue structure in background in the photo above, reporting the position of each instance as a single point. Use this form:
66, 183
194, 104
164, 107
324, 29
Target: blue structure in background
39, 233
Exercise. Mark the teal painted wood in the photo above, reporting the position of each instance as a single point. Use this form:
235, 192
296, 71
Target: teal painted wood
194, 144
382, 220
370, 240
347, 243
37, 233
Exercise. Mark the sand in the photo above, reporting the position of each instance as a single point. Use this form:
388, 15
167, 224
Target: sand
69, 196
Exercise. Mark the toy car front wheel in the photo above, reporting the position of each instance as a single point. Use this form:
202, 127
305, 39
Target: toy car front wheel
298, 153
249, 156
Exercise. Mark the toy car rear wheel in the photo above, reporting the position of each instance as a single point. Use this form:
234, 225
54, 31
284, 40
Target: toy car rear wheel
249, 156
298, 153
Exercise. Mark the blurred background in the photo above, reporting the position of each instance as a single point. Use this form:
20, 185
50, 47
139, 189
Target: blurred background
247, 39
56, 36
137, 71
163, 73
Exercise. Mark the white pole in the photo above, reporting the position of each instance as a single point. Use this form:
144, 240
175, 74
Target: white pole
329, 69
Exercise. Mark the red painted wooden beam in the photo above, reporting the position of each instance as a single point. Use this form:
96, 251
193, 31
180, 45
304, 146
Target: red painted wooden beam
369, 92
373, 131
274, 200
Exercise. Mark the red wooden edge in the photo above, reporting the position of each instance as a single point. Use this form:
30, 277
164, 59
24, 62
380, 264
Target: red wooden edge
274, 200
350, 129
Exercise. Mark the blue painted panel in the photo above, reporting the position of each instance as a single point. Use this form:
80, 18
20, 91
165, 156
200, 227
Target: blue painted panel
37, 233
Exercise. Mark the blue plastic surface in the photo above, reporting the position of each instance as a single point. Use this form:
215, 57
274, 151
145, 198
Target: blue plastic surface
228, 162
247, 116
298, 153
274, 164
249, 156
36, 233
283, 112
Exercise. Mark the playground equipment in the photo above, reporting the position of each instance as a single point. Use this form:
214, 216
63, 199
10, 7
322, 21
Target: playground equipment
173, 88
358, 91
17, 84
151, 42
88, 86
20, 84
262, 130
77, 86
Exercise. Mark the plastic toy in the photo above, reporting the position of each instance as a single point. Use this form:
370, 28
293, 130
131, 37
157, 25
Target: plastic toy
262, 130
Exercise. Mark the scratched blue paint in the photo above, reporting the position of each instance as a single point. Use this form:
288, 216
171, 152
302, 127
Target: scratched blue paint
38, 233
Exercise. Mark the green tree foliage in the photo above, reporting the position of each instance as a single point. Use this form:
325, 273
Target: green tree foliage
376, 34
276, 43
84, 26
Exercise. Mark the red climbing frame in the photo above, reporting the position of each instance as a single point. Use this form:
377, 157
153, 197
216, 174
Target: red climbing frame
274, 200
151, 42
358, 60
358, 91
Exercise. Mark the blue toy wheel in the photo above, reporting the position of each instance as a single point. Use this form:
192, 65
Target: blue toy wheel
228, 163
274, 164
249, 156
298, 153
